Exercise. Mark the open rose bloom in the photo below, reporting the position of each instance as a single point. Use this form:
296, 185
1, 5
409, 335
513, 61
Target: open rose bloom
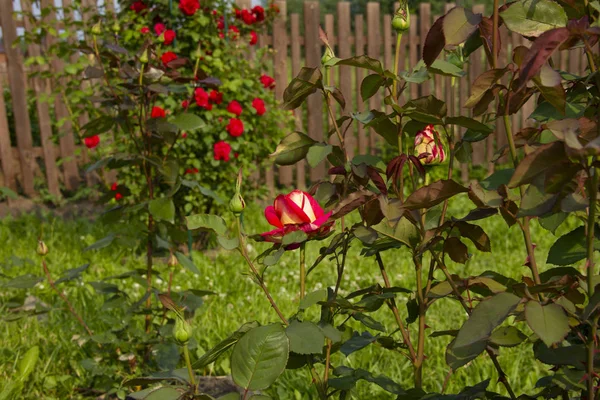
426, 148
296, 211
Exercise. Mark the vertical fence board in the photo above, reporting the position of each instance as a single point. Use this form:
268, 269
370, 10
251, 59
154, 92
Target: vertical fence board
313, 59
439, 80
331, 78
424, 25
514, 119
503, 58
298, 112
45, 123
359, 29
475, 69
9, 169
412, 57
345, 51
18, 90
280, 44
374, 51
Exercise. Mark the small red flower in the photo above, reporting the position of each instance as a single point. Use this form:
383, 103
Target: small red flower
216, 97
145, 30
248, 17
158, 112
167, 57
253, 38
235, 108
259, 13
91, 141
114, 187
222, 151
235, 127
138, 6
221, 24
118, 196
259, 106
191, 171
183, 135
267, 81
185, 104
189, 7
169, 36
202, 98
159, 28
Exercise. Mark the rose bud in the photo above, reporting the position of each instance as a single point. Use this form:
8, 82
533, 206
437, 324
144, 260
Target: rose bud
237, 204
42, 249
296, 211
401, 20
182, 331
97, 29
328, 55
116, 27
426, 148
144, 57
172, 261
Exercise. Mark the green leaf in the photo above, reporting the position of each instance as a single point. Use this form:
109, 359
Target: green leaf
552, 221
294, 237
213, 354
457, 357
435, 193
102, 243
313, 298
459, 23
71, 274
363, 62
160, 393
187, 262
306, 83
305, 338
317, 153
507, 336
357, 342
369, 321
482, 84
456, 249
207, 221
162, 209
370, 85
485, 318
99, 125
549, 322
534, 17
293, 148
187, 122
446, 68
469, 123
228, 244
23, 282
27, 363
497, 179
538, 162
260, 357
571, 247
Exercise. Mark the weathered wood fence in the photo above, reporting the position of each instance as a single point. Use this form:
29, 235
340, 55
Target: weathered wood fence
61, 166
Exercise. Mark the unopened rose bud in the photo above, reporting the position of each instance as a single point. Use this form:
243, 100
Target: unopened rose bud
182, 331
172, 261
144, 57
426, 148
328, 55
237, 204
97, 29
42, 249
116, 27
401, 20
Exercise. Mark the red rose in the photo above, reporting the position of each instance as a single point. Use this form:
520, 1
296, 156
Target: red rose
183, 135
189, 7
267, 81
91, 141
114, 187
158, 112
259, 13
201, 97
145, 30
220, 25
253, 38
118, 196
235, 108
159, 28
185, 104
216, 97
138, 6
248, 17
235, 127
167, 57
191, 171
222, 150
169, 36
259, 106
234, 32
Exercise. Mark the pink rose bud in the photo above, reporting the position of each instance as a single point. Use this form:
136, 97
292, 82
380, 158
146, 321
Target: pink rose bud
426, 148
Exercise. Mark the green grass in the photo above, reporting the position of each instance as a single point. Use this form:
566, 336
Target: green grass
60, 373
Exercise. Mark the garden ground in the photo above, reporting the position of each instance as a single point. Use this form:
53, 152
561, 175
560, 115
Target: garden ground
67, 370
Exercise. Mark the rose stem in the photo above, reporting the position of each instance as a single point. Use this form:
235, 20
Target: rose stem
302, 270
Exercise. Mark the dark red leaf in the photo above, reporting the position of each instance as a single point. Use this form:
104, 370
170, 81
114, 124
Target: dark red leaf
435, 193
435, 42
456, 249
377, 179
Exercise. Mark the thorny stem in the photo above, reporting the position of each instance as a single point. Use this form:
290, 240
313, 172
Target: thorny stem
403, 330
396, 65
188, 363
65, 299
302, 270
591, 224
422, 311
257, 276
334, 122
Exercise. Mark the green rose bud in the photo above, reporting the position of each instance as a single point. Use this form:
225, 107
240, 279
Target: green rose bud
42, 249
401, 20
144, 57
182, 331
328, 55
161, 38
237, 204
97, 29
116, 27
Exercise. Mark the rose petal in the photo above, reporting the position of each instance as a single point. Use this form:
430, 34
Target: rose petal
316, 208
274, 236
301, 200
272, 217
289, 213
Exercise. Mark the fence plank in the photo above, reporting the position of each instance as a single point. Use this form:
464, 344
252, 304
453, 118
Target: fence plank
345, 51
333, 80
412, 57
439, 80
313, 59
45, 123
475, 69
9, 169
424, 25
280, 43
374, 51
450, 89
359, 27
18, 89
298, 112
503, 58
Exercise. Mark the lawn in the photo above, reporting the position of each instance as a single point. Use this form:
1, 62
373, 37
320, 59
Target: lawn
68, 370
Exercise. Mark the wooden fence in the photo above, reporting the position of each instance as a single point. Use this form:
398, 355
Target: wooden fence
62, 165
